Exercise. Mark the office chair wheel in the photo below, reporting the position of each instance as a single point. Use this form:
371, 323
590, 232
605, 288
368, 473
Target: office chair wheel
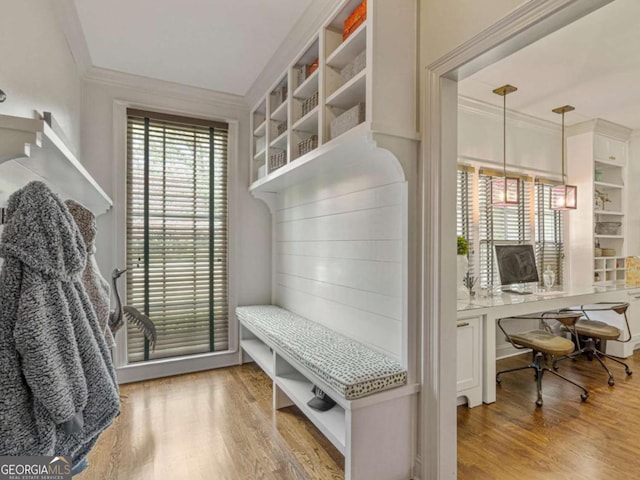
584, 397
627, 371
498, 379
590, 356
611, 382
539, 402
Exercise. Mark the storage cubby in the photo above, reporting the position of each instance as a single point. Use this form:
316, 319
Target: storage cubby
381, 86
372, 432
259, 140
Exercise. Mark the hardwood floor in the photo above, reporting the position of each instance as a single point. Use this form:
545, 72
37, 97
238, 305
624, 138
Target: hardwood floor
209, 426
565, 439
219, 425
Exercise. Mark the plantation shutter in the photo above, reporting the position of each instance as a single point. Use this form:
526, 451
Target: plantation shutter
500, 225
177, 227
549, 233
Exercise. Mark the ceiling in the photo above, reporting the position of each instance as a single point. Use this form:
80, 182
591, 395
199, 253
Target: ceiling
220, 45
592, 64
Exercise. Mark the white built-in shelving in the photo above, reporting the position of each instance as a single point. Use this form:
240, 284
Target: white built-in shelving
385, 88
597, 163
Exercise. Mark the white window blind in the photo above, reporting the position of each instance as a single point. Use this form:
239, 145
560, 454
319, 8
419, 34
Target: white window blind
500, 225
549, 233
177, 228
464, 204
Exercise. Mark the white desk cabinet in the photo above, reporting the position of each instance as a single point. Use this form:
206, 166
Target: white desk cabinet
625, 350
469, 361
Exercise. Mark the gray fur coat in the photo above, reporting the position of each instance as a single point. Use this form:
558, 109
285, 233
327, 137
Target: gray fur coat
94, 283
57, 388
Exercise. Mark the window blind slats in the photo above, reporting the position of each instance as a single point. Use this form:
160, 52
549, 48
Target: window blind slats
177, 188
509, 225
464, 218
549, 233
500, 225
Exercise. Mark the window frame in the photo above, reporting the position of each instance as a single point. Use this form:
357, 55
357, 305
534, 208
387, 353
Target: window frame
233, 115
157, 207
528, 230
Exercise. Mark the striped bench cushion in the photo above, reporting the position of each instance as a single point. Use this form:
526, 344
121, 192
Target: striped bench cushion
351, 368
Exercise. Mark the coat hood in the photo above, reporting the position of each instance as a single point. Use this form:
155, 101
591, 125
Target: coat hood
42, 234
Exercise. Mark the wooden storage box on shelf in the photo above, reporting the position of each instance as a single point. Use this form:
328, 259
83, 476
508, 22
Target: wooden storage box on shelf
347, 120
608, 228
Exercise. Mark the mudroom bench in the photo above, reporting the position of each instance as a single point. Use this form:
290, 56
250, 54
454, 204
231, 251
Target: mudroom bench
373, 421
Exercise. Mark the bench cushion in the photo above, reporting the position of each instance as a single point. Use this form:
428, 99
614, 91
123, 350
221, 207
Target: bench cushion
351, 368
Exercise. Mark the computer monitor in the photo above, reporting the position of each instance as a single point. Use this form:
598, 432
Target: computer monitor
516, 264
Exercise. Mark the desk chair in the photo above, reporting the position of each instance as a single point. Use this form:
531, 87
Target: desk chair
544, 343
595, 333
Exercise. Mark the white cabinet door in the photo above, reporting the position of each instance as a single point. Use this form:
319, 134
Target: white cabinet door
469, 360
606, 148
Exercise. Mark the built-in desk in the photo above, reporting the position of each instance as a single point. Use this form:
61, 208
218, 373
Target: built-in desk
486, 310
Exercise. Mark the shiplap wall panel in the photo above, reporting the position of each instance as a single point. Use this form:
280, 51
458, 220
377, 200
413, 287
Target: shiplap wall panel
382, 223
385, 305
382, 250
363, 200
367, 275
339, 248
381, 333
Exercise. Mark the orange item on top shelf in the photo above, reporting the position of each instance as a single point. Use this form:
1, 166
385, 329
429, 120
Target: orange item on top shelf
353, 21
313, 67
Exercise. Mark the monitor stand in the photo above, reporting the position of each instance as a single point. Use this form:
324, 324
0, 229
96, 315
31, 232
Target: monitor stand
517, 288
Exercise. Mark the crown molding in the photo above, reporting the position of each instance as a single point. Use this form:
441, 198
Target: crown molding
478, 107
113, 78
603, 127
310, 22
69, 21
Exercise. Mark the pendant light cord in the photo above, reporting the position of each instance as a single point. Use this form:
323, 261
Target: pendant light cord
563, 176
504, 140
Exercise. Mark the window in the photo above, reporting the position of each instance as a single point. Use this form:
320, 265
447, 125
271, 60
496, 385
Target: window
502, 225
177, 229
549, 232
464, 220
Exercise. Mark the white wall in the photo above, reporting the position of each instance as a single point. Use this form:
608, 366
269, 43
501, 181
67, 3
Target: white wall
633, 210
37, 70
339, 256
107, 92
445, 24
533, 145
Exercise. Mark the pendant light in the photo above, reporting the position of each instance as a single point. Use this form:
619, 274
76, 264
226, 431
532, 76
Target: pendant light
505, 190
563, 197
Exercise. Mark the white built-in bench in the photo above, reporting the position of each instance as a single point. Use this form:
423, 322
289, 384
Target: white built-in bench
373, 423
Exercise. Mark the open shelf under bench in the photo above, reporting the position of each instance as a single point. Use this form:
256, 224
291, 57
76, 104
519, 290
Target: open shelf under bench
374, 433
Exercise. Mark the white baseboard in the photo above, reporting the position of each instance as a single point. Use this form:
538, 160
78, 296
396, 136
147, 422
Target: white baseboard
623, 350
175, 366
507, 350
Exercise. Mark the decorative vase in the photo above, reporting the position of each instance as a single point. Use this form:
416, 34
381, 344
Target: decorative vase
462, 270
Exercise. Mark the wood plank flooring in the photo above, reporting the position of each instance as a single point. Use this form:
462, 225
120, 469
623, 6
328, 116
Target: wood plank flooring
219, 425
215, 425
565, 439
